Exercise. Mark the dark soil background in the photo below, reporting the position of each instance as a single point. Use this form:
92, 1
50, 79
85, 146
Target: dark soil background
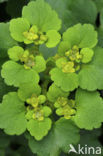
4, 17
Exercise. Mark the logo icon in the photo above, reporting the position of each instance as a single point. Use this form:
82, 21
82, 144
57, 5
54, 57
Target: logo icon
85, 150
72, 149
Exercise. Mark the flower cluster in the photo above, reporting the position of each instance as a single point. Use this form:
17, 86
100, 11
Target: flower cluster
33, 35
65, 107
36, 110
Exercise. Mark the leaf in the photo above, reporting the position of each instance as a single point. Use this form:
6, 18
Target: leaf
63, 47
100, 29
99, 4
60, 6
47, 52
84, 36
27, 89
12, 114
15, 53
39, 129
80, 11
39, 13
62, 134
74, 11
89, 106
4, 89
15, 74
6, 41
55, 92
87, 55
67, 82
47, 111
40, 64
90, 76
61, 60
97, 59
17, 27
53, 38
91, 137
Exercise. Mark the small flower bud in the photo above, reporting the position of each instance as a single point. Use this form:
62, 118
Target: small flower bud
41, 99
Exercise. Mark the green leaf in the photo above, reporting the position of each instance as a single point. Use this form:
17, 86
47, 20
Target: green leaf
63, 47
40, 64
17, 27
87, 55
61, 60
84, 36
47, 111
15, 74
90, 76
39, 13
99, 4
66, 81
62, 134
4, 89
12, 114
6, 41
15, 53
98, 57
55, 92
39, 129
47, 52
27, 89
100, 30
60, 6
89, 107
53, 38
75, 11
80, 11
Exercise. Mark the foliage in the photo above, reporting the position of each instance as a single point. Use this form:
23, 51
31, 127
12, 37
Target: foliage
51, 63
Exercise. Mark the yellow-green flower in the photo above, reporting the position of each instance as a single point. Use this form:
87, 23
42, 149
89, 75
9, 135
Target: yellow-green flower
68, 67
74, 54
33, 101
34, 35
38, 114
65, 107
